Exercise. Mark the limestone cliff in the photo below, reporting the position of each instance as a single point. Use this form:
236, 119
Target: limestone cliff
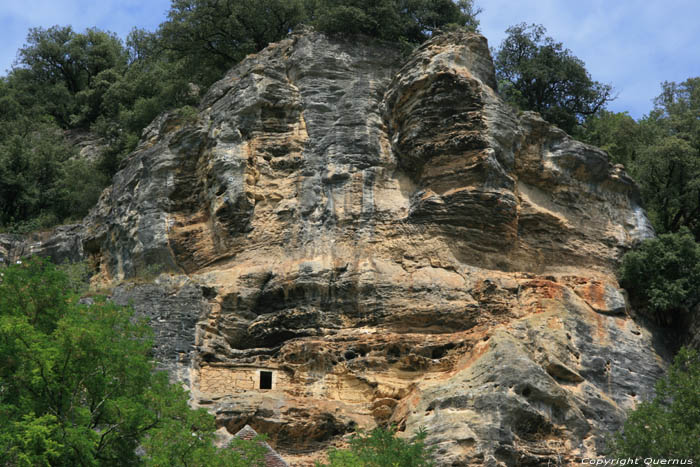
380, 239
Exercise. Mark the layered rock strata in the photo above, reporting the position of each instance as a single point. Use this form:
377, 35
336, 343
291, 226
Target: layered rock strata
63, 244
352, 238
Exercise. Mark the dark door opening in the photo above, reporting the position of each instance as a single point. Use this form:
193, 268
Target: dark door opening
265, 380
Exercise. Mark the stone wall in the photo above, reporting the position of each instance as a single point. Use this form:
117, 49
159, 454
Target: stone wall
216, 381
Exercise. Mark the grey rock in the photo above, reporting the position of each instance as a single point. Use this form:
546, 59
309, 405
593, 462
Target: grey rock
173, 308
64, 244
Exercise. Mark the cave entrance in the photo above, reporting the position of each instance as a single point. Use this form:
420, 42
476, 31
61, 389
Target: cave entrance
265, 380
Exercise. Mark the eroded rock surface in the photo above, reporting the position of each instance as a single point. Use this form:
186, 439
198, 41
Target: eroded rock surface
358, 238
64, 244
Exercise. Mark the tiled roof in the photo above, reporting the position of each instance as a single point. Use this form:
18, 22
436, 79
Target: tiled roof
272, 459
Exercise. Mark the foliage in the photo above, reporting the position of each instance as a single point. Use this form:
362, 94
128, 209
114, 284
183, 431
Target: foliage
669, 425
661, 151
668, 169
41, 179
669, 174
663, 274
209, 36
78, 66
77, 386
66, 81
381, 448
410, 21
537, 73
77, 276
617, 133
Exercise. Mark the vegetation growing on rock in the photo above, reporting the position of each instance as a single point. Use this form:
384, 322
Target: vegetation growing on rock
537, 73
661, 151
382, 448
663, 274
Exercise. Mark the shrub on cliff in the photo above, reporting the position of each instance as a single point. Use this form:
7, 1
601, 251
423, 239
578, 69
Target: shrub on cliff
381, 448
537, 73
663, 274
77, 386
669, 425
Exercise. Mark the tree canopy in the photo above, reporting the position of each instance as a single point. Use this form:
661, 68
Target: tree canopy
78, 386
668, 169
410, 21
661, 151
537, 73
663, 274
77, 66
209, 36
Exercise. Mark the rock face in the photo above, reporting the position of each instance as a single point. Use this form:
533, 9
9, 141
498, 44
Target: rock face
357, 238
64, 244
173, 307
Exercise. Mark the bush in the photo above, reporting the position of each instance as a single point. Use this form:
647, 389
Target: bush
669, 425
381, 448
77, 386
537, 73
663, 274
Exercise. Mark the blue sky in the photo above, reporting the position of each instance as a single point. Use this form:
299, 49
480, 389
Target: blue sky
632, 44
119, 16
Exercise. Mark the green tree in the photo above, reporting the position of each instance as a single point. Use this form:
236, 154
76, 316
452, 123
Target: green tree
88, 81
210, 36
615, 132
381, 448
77, 386
424, 18
151, 84
668, 169
42, 180
537, 73
669, 425
30, 170
668, 172
75, 65
661, 151
663, 274
408, 21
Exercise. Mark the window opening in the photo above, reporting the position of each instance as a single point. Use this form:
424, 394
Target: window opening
265, 380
